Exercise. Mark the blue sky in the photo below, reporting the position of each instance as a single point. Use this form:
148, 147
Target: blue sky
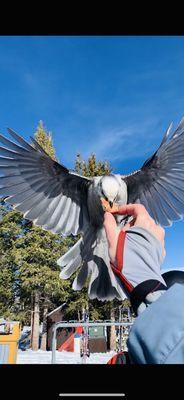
112, 95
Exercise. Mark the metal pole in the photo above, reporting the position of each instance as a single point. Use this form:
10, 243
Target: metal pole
85, 337
54, 344
89, 324
120, 329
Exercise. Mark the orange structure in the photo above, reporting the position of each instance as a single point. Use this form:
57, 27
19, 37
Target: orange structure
9, 345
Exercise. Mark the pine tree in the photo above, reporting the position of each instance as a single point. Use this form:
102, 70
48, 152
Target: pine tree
44, 138
10, 230
91, 167
39, 272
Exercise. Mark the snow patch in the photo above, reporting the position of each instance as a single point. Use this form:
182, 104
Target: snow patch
62, 357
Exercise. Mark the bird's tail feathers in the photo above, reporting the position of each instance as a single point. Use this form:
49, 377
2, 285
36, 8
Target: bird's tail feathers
90, 253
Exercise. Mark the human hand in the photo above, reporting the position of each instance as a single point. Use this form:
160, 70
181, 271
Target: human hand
140, 218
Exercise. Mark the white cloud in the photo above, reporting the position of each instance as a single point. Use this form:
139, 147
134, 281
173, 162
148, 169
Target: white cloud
123, 143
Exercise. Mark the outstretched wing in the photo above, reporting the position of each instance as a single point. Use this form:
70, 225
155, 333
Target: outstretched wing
45, 191
159, 184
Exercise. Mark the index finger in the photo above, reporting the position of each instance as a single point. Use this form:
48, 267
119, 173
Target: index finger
131, 209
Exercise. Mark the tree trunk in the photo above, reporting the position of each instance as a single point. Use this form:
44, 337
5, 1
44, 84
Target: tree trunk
112, 331
32, 316
36, 323
78, 314
44, 331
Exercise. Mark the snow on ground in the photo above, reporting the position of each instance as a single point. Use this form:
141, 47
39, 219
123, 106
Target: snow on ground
62, 357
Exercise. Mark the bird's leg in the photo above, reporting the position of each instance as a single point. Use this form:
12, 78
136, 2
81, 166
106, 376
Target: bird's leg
125, 219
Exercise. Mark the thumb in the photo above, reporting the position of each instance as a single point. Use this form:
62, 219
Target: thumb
112, 233
109, 225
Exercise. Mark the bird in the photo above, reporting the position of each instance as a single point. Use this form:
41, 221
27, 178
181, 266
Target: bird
64, 202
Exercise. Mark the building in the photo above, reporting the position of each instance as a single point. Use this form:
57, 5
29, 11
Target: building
54, 316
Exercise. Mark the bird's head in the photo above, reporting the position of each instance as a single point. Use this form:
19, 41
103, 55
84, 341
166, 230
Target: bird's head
109, 188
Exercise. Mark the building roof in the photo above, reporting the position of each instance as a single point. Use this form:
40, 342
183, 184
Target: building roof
56, 309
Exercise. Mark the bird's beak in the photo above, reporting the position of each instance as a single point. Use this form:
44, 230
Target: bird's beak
111, 204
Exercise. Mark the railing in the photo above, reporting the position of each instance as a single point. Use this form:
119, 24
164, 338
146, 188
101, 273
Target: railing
75, 325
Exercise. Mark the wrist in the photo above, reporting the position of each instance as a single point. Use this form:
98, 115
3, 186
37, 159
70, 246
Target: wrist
152, 241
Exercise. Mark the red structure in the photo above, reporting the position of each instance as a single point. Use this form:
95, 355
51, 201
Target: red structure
68, 344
